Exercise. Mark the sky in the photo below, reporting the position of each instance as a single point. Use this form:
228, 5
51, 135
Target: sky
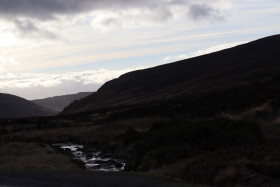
59, 47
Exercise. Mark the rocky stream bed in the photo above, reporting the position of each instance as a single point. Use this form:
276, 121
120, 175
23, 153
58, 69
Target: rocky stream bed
93, 159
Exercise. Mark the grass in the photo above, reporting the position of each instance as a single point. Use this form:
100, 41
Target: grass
160, 178
34, 157
220, 151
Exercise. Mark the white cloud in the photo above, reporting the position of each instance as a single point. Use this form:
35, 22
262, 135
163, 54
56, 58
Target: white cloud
33, 86
27, 80
6, 62
174, 58
215, 48
200, 52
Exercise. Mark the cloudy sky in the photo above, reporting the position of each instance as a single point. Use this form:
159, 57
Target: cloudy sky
58, 47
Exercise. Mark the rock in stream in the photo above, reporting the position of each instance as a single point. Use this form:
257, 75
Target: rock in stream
93, 159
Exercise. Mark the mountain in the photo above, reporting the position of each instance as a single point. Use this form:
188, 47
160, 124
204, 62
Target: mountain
211, 120
58, 103
16, 107
249, 63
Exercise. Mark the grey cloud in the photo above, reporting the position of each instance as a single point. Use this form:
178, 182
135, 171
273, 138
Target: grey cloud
27, 28
25, 25
202, 11
29, 12
163, 14
49, 9
43, 10
40, 9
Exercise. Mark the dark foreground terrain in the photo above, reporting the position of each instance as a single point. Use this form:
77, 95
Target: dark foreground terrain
213, 120
70, 179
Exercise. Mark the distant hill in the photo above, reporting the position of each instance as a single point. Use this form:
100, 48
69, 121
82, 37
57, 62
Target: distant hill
58, 103
253, 62
16, 107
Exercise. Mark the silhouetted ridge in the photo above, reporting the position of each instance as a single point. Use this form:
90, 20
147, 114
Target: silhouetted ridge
16, 107
252, 62
58, 103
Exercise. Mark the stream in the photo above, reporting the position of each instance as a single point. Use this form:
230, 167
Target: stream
93, 159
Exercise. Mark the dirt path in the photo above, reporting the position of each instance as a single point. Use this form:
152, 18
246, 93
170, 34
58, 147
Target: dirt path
95, 179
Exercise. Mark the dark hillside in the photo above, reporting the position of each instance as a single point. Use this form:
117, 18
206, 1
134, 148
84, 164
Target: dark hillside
210, 120
58, 103
249, 63
15, 107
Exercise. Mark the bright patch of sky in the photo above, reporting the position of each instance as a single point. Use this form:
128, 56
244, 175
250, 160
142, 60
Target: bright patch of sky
58, 47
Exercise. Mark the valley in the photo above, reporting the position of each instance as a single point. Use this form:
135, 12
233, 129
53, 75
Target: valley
210, 120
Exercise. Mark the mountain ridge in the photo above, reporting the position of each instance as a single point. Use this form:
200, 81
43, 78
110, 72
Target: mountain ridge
243, 64
58, 103
12, 106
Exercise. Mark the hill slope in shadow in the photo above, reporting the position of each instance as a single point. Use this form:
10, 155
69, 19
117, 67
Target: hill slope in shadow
253, 62
58, 103
16, 107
